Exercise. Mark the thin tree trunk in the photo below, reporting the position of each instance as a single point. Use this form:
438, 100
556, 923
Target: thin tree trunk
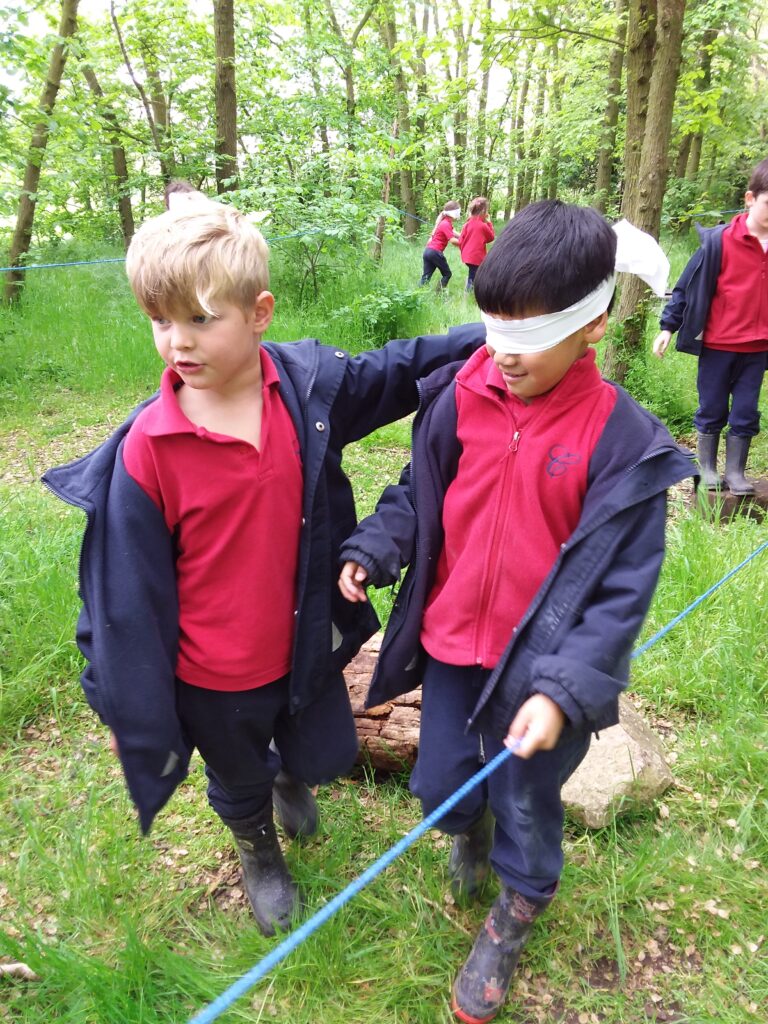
682, 156
522, 99
605, 157
703, 86
22, 235
652, 177
407, 196
534, 147
482, 110
381, 224
226, 96
119, 160
641, 40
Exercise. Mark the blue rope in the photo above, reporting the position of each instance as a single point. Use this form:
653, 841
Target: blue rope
280, 952
663, 632
74, 263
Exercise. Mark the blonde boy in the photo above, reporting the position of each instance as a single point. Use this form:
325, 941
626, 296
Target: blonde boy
210, 617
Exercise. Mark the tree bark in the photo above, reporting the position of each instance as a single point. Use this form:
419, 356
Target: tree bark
119, 160
645, 205
389, 36
226, 96
605, 157
641, 39
22, 235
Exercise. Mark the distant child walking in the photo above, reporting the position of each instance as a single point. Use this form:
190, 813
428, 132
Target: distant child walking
532, 520
444, 234
210, 617
474, 238
719, 308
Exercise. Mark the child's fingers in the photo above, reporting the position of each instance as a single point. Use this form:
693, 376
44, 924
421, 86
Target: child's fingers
351, 581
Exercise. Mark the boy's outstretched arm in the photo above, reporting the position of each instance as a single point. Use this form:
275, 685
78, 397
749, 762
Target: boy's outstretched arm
379, 386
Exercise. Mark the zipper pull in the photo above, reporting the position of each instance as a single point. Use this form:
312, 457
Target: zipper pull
515, 443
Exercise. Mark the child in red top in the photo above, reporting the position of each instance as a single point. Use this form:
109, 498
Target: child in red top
719, 307
474, 237
443, 234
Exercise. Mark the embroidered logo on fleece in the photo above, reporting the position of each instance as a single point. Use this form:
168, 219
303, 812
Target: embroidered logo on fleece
560, 460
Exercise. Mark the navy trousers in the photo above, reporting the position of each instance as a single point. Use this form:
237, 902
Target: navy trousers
524, 796
433, 260
725, 378
233, 732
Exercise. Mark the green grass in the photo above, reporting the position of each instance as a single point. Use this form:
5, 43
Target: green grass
660, 916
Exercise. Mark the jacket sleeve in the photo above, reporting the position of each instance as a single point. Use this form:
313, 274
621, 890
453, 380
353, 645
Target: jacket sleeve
383, 543
673, 314
380, 386
590, 668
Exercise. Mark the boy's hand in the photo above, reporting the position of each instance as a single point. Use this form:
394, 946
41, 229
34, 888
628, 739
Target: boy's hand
352, 582
113, 744
537, 725
661, 343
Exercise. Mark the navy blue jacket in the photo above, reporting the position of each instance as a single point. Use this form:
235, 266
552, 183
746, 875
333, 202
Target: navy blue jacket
574, 642
687, 311
128, 626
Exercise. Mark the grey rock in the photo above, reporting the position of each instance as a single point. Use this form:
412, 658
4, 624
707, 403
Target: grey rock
624, 769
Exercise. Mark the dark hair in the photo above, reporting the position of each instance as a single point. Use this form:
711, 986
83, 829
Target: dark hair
177, 185
549, 256
478, 206
758, 179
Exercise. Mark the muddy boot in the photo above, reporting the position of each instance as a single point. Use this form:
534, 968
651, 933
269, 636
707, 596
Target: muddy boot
481, 985
295, 806
468, 865
736, 452
706, 451
271, 890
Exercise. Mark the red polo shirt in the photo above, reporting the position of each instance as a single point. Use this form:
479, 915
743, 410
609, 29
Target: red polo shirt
517, 496
235, 512
738, 314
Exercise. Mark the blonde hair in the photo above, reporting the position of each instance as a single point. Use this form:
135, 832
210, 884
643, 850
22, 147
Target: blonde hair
186, 259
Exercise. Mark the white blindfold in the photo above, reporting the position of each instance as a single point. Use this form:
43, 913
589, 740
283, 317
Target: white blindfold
636, 253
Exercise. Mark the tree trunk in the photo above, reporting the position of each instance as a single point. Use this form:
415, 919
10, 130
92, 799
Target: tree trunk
482, 109
119, 160
226, 96
407, 195
682, 156
641, 39
703, 86
22, 235
611, 114
533, 152
646, 204
520, 132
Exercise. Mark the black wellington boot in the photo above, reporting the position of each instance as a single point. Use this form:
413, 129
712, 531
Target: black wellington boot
295, 806
736, 452
468, 865
271, 891
482, 983
706, 453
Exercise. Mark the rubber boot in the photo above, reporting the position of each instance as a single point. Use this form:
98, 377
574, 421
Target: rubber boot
706, 451
295, 806
468, 865
736, 452
271, 891
482, 983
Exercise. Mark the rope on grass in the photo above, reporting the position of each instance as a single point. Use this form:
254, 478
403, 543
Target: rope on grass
296, 938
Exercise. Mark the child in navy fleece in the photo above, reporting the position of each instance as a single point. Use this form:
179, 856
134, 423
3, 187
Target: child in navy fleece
719, 307
532, 520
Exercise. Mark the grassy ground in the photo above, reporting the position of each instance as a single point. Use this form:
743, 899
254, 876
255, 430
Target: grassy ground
661, 917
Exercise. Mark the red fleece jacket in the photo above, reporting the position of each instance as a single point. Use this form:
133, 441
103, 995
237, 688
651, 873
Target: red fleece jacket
517, 496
